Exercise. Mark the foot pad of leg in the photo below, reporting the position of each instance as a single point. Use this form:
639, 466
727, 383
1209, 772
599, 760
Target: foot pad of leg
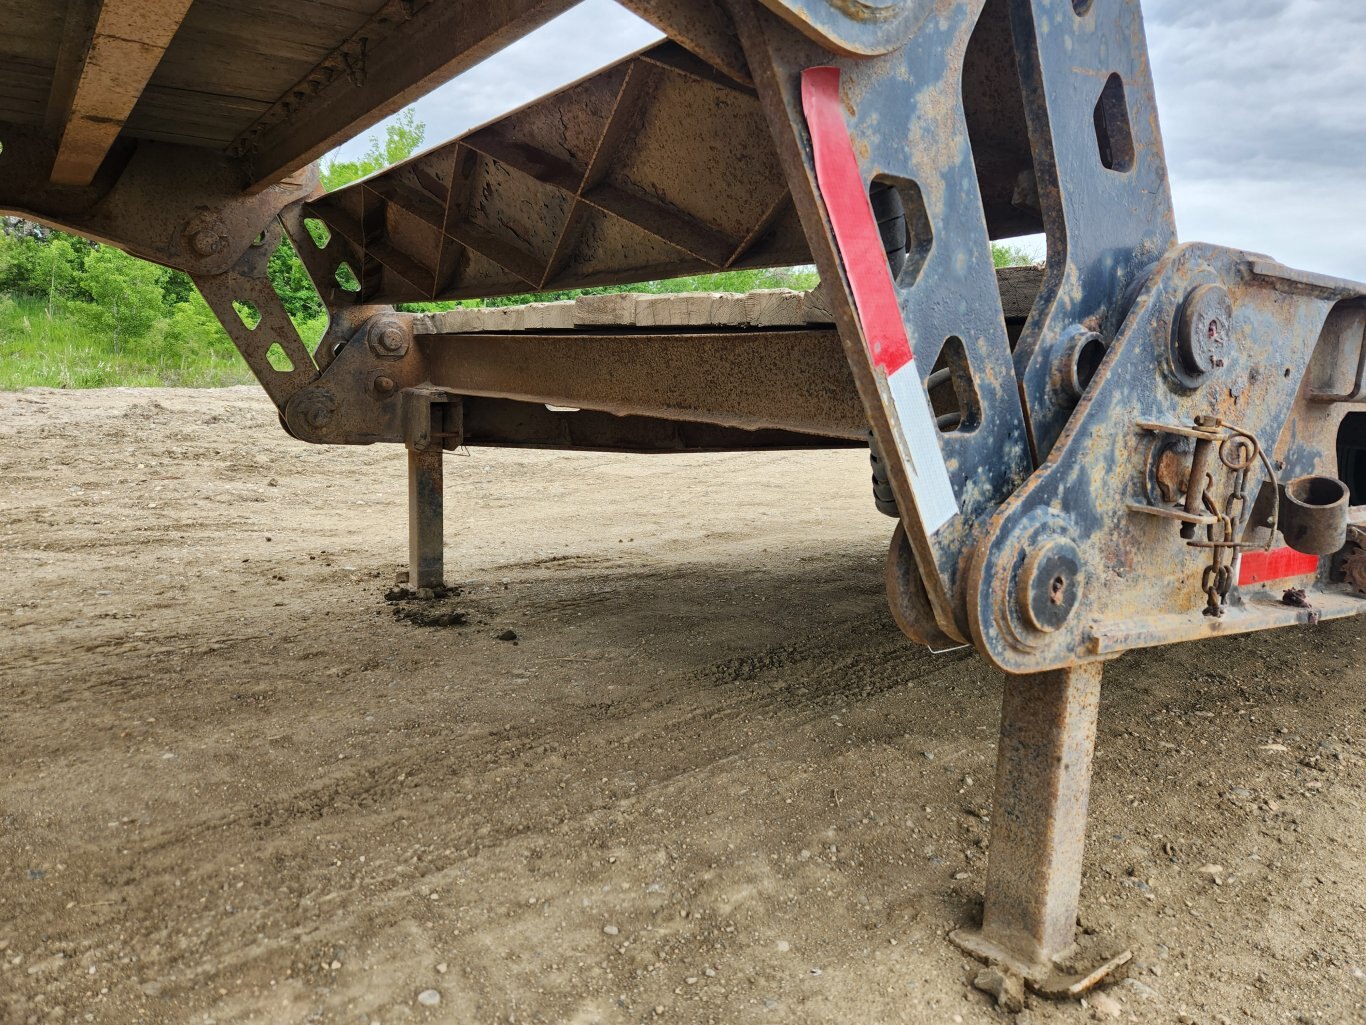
1046, 979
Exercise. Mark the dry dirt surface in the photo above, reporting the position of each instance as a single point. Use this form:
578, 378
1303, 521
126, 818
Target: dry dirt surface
707, 781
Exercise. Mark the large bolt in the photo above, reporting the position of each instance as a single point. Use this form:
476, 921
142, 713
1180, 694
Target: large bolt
206, 234
388, 340
1204, 343
318, 408
205, 242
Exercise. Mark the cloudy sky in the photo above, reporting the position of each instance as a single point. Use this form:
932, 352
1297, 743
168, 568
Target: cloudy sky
1263, 106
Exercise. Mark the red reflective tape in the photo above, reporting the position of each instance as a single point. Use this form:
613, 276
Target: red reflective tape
851, 216
1260, 567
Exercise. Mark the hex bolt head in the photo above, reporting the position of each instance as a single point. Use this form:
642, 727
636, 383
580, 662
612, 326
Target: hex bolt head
388, 340
1204, 342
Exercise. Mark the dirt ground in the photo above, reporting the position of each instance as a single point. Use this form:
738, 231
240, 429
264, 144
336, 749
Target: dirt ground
707, 782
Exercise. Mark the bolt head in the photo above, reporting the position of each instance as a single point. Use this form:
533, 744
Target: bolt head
206, 234
385, 385
206, 242
388, 340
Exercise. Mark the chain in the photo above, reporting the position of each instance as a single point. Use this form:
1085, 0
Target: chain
1238, 451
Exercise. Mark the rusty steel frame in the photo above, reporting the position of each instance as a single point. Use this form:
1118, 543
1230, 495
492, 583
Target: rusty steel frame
1132, 464
1043, 775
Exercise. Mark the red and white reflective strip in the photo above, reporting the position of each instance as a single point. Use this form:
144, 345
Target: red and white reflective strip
865, 261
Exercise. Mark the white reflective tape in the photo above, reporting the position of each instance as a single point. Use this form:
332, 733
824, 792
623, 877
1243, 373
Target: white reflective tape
917, 438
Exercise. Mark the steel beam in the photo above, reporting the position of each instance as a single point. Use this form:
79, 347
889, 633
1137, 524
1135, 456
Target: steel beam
1043, 785
783, 380
129, 40
426, 518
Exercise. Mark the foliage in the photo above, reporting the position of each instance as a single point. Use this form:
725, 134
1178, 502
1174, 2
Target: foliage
186, 348
402, 137
1010, 256
126, 293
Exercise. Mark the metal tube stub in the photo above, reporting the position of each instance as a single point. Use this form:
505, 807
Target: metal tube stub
426, 533
1043, 785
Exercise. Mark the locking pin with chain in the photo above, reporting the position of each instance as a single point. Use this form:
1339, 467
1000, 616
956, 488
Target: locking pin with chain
1238, 451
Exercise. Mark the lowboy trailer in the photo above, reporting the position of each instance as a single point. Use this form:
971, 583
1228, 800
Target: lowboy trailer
1143, 443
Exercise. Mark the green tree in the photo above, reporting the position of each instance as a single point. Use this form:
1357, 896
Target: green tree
1010, 256
402, 137
126, 292
56, 265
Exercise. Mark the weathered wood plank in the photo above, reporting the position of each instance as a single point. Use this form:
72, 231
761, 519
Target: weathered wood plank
130, 38
765, 308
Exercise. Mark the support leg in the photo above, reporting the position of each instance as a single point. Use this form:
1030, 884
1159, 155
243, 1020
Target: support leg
1043, 784
426, 535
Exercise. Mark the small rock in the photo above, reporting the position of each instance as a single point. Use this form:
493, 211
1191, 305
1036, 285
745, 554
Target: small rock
1006, 987
442, 968
961, 875
507, 635
1105, 1006
783, 946
429, 998
1142, 989
611, 930
1211, 870
426, 594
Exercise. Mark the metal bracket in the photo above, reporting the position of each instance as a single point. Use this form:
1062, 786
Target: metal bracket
1082, 499
899, 120
1102, 180
432, 419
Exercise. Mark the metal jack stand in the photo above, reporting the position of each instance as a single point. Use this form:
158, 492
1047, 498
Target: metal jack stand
432, 424
1038, 832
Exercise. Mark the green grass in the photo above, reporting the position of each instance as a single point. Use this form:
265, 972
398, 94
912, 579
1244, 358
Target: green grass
70, 349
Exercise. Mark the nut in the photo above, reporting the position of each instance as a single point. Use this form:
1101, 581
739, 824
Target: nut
206, 234
388, 339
